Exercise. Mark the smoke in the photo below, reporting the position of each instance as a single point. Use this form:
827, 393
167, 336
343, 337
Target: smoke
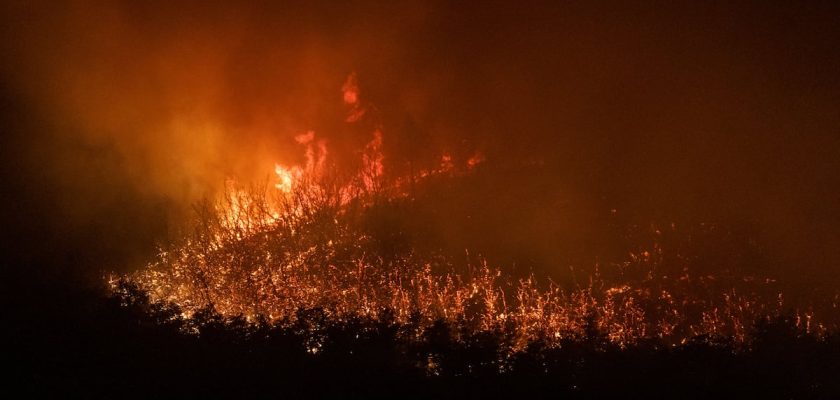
124, 114
148, 108
184, 94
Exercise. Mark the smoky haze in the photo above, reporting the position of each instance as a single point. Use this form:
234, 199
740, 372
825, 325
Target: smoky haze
118, 117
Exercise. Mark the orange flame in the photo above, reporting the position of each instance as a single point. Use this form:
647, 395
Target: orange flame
476, 159
287, 177
372, 162
350, 89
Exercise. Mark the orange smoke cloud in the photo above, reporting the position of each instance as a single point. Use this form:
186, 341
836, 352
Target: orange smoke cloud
184, 100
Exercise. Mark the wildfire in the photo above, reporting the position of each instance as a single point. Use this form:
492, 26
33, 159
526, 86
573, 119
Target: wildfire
286, 177
316, 154
350, 89
258, 255
373, 169
271, 259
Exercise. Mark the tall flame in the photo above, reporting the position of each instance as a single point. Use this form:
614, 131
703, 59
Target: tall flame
373, 168
350, 89
287, 177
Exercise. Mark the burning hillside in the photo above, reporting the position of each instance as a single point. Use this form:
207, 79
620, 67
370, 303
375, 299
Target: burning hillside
301, 242
421, 199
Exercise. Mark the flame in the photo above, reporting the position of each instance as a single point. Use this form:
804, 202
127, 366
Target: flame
271, 256
475, 160
373, 168
316, 157
372, 172
446, 163
296, 261
271, 260
287, 177
350, 89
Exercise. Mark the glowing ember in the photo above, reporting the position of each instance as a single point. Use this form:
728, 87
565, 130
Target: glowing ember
272, 259
476, 159
257, 255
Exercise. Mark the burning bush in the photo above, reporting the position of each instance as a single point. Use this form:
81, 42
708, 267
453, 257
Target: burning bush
267, 254
319, 240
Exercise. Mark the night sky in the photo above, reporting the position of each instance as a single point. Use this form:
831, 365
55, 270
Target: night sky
117, 118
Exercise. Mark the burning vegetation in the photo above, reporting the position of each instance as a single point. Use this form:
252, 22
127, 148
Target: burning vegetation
543, 200
266, 253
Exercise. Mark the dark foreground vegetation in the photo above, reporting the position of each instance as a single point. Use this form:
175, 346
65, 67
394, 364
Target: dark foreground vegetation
71, 342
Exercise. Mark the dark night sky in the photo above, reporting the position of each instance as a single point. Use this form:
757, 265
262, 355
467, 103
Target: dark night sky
115, 118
